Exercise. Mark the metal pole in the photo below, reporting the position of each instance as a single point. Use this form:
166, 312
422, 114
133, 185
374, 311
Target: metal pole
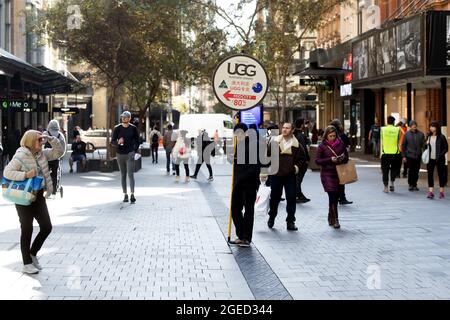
230, 221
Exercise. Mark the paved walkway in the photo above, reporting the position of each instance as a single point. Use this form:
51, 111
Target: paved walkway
166, 246
390, 246
171, 244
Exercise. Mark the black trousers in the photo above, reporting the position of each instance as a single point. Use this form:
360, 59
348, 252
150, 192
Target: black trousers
37, 210
441, 170
169, 160
154, 148
53, 166
186, 166
341, 193
243, 197
390, 164
276, 185
413, 166
299, 180
199, 164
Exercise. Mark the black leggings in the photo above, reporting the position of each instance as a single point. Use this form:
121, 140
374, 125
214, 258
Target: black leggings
442, 173
54, 166
154, 148
333, 197
186, 166
37, 210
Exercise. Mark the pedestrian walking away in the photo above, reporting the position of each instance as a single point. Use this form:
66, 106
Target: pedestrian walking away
206, 149
302, 139
337, 124
331, 152
29, 161
390, 153
374, 138
403, 130
291, 158
412, 147
245, 186
155, 136
54, 130
168, 144
182, 153
125, 138
437, 146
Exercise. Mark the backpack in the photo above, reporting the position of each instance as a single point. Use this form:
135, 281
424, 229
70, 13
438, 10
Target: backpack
155, 138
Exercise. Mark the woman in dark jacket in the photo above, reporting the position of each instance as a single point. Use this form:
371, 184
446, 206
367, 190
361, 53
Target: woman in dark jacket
437, 147
331, 152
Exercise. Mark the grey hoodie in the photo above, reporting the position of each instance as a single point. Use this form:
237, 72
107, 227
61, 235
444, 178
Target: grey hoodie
53, 130
413, 144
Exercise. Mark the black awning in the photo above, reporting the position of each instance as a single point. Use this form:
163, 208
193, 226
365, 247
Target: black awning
48, 80
54, 82
321, 72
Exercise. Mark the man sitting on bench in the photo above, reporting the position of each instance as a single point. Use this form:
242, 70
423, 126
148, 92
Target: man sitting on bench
78, 153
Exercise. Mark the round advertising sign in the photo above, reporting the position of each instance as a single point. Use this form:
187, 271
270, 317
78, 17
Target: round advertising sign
240, 82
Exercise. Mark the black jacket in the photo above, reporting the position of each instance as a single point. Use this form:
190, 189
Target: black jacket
245, 172
441, 147
131, 137
302, 139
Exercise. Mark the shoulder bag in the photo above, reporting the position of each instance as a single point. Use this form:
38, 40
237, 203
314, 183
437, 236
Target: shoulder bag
21, 192
347, 171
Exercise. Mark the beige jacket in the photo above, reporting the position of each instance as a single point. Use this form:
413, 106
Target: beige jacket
24, 161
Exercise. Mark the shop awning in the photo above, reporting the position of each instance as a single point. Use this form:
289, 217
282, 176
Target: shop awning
54, 82
321, 72
47, 80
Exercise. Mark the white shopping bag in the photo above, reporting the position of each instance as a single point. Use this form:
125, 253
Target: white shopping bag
262, 200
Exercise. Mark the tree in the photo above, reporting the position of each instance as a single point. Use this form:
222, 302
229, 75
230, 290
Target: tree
276, 38
105, 38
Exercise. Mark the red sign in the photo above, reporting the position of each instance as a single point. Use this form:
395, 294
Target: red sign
228, 95
348, 77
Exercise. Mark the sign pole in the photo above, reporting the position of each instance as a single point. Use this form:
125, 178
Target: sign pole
240, 82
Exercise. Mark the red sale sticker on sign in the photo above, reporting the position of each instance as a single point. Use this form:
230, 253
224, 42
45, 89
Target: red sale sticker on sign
240, 82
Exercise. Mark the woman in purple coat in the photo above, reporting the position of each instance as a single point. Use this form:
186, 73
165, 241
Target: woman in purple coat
331, 152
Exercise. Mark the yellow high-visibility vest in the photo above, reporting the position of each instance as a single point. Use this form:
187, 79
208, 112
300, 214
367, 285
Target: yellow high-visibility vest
390, 137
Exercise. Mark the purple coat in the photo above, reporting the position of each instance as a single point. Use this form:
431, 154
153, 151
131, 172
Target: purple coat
328, 173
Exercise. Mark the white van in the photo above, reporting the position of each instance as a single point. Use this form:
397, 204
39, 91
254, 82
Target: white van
211, 122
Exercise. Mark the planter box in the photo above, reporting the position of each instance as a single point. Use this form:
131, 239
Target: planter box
137, 165
145, 152
107, 166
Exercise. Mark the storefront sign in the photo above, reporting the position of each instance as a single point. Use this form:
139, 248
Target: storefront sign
252, 116
398, 48
18, 104
438, 46
316, 83
240, 82
66, 110
346, 90
348, 77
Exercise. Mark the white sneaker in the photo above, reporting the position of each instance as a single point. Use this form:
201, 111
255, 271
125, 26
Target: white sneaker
36, 262
30, 269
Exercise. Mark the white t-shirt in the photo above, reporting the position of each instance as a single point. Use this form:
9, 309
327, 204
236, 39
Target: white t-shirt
433, 147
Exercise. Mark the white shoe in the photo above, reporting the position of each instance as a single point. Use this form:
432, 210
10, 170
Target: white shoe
30, 269
36, 262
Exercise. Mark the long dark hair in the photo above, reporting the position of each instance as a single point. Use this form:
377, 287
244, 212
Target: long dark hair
437, 125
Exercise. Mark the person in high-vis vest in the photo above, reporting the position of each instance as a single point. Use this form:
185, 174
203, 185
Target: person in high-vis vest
390, 153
